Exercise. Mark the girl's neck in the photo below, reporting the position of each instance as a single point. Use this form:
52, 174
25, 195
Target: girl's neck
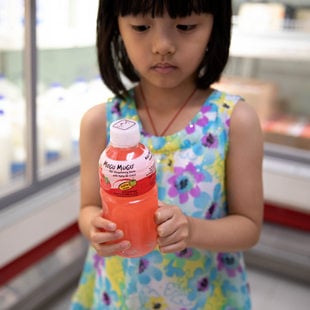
166, 111
163, 99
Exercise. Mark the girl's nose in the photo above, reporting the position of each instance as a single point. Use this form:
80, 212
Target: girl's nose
163, 43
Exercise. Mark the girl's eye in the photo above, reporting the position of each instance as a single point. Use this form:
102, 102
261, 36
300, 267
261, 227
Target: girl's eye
140, 28
186, 27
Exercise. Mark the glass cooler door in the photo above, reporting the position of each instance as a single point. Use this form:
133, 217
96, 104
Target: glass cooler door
48, 78
270, 67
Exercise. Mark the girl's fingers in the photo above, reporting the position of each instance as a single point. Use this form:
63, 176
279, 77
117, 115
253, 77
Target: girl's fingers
103, 224
163, 213
111, 249
172, 247
103, 236
101, 242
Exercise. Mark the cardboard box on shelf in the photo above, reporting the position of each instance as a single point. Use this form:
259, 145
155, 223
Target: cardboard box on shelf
263, 96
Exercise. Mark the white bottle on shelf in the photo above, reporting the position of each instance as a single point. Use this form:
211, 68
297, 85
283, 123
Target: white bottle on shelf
13, 107
98, 91
12, 125
77, 103
5, 141
54, 125
9, 89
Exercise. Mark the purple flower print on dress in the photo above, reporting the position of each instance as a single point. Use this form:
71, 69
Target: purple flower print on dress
203, 284
230, 263
108, 295
185, 182
106, 299
201, 122
217, 193
143, 264
210, 211
116, 108
98, 260
199, 284
186, 253
210, 141
190, 128
145, 133
147, 268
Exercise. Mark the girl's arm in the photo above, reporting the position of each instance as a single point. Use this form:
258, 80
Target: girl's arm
241, 228
92, 225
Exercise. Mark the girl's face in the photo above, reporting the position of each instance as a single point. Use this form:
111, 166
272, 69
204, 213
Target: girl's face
166, 52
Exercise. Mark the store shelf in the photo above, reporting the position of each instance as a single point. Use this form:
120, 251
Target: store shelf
49, 40
28, 223
286, 45
286, 183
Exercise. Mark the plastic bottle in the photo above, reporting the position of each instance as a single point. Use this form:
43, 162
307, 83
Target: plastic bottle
98, 92
77, 95
12, 127
128, 187
55, 141
5, 142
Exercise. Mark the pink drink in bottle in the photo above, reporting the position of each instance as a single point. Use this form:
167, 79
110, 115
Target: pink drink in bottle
128, 187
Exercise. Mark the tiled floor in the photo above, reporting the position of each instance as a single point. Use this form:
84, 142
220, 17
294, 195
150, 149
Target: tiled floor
269, 292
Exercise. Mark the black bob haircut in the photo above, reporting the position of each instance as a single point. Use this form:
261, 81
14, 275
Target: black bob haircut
112, 56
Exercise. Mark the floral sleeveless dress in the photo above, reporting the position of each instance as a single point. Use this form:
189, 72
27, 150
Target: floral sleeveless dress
190, 174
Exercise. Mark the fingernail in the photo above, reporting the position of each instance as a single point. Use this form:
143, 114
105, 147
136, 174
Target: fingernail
125, 245
119, 233
112, 226
157, 216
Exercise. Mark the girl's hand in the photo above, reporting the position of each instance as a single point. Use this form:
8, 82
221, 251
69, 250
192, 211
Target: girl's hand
173, 228
103, 231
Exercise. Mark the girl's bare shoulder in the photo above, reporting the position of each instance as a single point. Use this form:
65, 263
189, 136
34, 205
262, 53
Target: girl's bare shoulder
245, 132
95, 118
93, 127
244, 119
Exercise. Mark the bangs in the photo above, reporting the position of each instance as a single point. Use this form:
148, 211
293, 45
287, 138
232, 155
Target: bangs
175, 8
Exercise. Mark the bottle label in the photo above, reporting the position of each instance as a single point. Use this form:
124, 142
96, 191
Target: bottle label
128, 178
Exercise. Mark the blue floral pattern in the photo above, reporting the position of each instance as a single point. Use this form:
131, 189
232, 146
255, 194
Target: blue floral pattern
191, 174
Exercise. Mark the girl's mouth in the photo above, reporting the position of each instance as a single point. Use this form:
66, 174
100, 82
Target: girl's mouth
163, 68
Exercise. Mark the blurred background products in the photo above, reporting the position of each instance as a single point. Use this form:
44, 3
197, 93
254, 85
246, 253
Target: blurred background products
262, 16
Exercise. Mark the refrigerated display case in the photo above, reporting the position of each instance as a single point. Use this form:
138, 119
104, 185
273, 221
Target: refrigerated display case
270, 67
12, 96
48, 78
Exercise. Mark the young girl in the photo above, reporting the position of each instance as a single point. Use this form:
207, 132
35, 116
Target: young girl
208, 149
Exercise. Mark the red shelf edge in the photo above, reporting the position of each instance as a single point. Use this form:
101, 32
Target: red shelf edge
28, 259
287, 217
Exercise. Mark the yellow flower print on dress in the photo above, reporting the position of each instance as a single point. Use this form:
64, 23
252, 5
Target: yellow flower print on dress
156, 303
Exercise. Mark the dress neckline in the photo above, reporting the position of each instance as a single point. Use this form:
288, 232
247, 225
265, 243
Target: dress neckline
192, 122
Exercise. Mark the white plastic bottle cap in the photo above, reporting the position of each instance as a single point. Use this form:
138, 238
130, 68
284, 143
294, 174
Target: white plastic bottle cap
124, 133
